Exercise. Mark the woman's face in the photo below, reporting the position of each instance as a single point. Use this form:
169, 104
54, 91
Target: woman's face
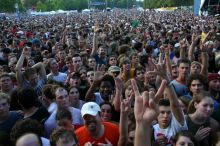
74, 95
106, 112
205, 107
184, 141
129, 92
214, 85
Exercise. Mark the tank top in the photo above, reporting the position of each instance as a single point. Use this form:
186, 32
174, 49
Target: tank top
193, 128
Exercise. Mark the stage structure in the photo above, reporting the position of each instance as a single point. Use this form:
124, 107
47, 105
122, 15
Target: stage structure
97, 4
212, 7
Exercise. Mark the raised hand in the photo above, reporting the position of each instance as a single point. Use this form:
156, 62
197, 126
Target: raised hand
26, 51
145, 108
108, 143
125, 105
98, 74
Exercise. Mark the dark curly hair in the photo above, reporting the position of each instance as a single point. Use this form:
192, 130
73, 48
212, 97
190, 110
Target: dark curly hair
201, 78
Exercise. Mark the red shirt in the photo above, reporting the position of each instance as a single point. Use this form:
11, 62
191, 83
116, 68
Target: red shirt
111, 133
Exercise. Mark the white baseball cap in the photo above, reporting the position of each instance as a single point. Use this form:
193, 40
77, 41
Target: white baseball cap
90, 108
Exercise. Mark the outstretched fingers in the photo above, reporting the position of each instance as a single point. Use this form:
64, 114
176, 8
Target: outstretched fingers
135, 88
160, 91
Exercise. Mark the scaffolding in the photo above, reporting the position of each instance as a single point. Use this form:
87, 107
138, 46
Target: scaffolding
213, 7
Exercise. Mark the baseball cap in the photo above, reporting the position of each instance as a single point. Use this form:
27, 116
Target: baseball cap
90, 108
213, 76
112, 69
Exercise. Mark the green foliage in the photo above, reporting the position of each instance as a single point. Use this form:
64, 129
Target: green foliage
166, 3
9, 5
48, 5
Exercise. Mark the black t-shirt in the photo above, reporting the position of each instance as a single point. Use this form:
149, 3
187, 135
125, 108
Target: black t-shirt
40, 115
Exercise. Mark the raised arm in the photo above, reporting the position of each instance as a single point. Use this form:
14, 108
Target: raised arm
123, 124
205, 59
118, 93
192, 47
204, 56
19, 66
40, 69
174, 104
95, 45
168, 61
145, 111
90, 96
183, 48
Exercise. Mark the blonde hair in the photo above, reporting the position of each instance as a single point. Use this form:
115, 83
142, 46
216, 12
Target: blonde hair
5, 96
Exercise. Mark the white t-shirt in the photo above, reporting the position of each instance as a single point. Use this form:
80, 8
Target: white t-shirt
45, 142
61, 77
170, 131
51, 123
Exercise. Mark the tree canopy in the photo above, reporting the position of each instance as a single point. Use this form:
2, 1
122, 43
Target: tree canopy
48, 5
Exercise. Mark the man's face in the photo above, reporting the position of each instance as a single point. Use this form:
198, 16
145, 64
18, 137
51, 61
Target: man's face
91, 63
92, 123
105, 90
183, 69
174, 71
4, 108
61, 55
6, 83
196, 86
164, 116
69, 64
54, 65
62, 98
195, 69
77, 62
102, 52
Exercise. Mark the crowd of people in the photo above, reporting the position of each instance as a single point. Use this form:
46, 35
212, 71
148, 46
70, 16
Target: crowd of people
120, 78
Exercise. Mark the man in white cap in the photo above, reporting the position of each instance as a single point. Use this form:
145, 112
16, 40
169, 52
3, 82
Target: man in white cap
95, 132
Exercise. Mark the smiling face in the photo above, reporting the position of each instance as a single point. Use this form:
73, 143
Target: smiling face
92, 123
205, 107
105, 90
214, 85
106, 112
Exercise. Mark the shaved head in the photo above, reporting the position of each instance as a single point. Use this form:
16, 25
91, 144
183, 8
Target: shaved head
28, 140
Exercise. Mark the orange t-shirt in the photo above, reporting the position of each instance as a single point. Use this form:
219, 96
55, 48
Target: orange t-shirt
111, 133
